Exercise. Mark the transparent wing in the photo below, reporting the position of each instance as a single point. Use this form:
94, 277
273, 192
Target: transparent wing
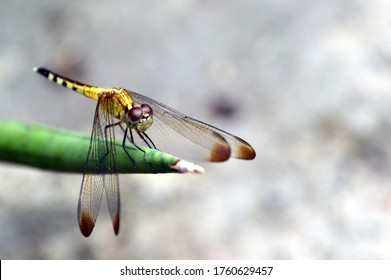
100, 173
175, 132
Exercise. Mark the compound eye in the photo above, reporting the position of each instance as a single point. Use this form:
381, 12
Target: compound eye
147, 109
135, 114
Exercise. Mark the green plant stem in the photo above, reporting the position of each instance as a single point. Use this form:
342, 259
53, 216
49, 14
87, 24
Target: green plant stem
66, 151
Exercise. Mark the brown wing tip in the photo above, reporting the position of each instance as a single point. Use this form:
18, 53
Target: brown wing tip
245, 152
86, 224
116, 224
220, 151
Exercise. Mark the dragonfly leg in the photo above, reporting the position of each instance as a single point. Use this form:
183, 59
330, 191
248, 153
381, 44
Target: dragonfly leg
130, 139
124, 147
147, 140
150, 143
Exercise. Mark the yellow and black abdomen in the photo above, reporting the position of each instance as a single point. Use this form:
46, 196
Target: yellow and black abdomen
87, 90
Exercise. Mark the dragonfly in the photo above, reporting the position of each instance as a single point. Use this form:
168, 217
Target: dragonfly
152, 122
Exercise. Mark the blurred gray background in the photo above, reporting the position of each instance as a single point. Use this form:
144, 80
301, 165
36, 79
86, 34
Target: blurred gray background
307, 83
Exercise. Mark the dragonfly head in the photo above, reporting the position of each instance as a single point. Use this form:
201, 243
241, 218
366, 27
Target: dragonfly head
140, 117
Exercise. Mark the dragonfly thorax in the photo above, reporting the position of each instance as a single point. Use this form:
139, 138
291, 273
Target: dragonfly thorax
139, 118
